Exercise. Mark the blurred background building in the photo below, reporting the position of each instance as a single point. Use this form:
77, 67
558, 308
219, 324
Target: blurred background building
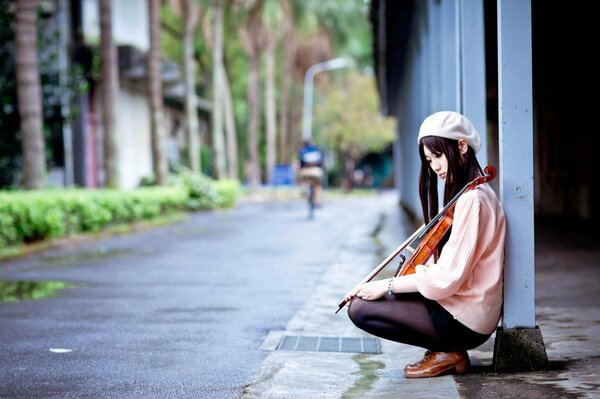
132, 130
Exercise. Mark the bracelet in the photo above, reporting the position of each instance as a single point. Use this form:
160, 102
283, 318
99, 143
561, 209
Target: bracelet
390, 286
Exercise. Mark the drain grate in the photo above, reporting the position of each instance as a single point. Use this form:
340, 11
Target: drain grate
328, 344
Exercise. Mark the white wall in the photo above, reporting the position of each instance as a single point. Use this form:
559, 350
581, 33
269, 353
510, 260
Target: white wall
133, 139
130, 22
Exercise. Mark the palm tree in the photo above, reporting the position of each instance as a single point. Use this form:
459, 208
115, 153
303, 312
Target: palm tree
190, 19
226, 112
109, 88
211, 17
29, 94
231, 142
272, 19
159, 164
217, 116
307, 42
252, 37
287, 59
316, 28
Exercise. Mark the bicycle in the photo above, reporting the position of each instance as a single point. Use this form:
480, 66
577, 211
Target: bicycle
311, 200
312, 178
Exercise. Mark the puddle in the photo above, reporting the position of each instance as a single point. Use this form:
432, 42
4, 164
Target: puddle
11, 291
368, 377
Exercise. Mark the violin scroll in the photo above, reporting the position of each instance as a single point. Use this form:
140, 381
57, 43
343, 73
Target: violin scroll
490, 174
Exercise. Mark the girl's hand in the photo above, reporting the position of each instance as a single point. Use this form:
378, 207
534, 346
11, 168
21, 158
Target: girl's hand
371, 290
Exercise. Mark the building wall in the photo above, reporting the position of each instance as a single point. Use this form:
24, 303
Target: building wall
133, 135
130, 22
442, 72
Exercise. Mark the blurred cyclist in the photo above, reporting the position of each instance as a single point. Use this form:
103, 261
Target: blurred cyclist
311, 167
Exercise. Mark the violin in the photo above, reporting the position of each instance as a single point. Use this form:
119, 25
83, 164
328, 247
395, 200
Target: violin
427, 236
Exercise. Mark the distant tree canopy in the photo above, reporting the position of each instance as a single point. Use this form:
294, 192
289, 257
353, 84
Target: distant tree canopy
305, 32
347, 118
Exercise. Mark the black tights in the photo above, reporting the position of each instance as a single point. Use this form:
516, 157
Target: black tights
406, 318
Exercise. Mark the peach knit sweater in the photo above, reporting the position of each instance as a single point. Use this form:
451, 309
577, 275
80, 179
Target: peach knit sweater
467, 278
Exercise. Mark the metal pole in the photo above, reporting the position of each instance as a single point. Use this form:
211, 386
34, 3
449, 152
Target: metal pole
335, 63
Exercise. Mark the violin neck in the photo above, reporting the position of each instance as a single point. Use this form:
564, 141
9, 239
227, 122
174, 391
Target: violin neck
450, 205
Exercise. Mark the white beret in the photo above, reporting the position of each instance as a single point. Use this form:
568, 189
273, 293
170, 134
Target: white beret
451, 125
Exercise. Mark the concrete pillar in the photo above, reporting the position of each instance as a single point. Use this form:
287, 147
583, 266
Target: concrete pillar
519, 344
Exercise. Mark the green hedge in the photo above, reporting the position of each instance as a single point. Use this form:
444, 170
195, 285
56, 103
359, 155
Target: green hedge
27, 216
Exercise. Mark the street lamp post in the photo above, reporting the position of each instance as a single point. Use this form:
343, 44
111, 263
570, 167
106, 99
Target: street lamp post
335, 63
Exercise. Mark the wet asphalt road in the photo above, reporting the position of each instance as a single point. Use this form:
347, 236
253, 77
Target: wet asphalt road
173, 312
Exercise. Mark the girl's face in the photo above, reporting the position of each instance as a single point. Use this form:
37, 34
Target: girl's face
438, 163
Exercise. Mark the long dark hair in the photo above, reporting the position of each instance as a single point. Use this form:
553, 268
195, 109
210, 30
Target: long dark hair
459, 173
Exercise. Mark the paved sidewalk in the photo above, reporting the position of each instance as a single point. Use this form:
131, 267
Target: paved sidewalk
567, 308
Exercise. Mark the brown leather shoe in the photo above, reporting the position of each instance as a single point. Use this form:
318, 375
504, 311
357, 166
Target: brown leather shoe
439, 363
416, 365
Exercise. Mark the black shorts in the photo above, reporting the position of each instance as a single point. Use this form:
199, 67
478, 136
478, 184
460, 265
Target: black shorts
454, 334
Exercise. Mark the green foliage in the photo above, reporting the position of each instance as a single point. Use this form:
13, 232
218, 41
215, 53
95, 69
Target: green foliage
228, 190
202, 193
205, 193
348, 120
27, 216
10, 144
172, 31
171, 44
56, 86
346, 22
11, 291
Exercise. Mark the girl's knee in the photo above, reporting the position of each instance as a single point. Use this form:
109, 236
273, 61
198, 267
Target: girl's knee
355, 310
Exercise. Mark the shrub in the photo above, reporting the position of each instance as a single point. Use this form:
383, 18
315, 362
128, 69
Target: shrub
228, 191
27, 216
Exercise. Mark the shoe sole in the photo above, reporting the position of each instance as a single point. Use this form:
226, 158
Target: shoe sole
460, 368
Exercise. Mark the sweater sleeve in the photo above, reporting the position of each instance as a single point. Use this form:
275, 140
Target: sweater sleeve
459, 255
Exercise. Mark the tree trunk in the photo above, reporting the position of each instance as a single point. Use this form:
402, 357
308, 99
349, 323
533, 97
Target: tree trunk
252, 35
349, 165
29, 95
217, 116
253, 120
271, 118
190, 99
231, 139
109, 93
230, 130
159, 163
295, 115
287, 64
